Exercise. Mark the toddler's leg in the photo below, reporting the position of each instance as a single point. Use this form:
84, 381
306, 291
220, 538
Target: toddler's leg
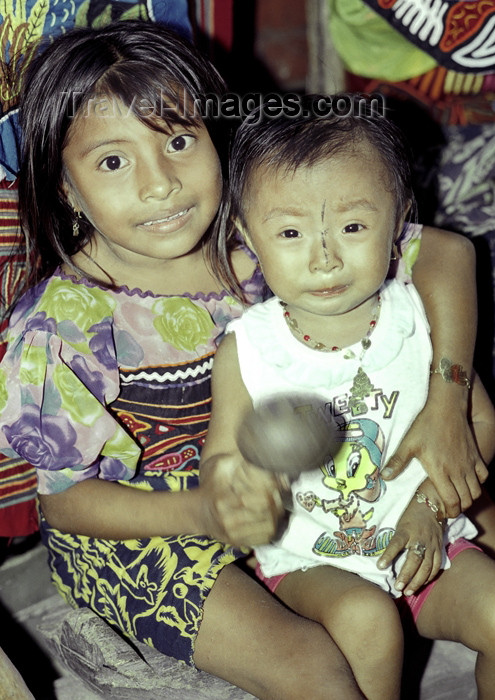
482, 513
361, 618
461, 608
251, 640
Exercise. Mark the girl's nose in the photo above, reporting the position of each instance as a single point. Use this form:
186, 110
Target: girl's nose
158, 181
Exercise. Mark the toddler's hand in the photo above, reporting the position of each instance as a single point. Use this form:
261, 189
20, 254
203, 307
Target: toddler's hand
241, 504
419, 533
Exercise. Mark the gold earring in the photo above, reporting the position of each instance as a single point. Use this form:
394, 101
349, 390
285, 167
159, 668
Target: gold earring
75, 223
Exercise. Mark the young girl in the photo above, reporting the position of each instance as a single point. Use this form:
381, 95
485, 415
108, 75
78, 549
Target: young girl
105, 386
322, 202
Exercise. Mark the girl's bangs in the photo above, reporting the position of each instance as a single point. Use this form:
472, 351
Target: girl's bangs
150, 95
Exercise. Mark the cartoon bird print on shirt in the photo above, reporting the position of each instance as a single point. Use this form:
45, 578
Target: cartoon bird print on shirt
354, 473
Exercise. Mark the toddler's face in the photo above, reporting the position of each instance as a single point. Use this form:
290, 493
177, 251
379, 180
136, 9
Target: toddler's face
324, 234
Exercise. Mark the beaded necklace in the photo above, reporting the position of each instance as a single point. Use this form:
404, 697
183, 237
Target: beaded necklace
321, 347
361, 383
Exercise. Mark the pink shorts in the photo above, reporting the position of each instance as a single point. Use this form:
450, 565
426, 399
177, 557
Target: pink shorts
413, 602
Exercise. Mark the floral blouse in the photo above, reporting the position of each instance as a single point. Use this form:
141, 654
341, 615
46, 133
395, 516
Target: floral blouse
74, 348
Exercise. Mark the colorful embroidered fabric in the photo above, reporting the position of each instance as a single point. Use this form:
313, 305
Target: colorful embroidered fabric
457, 34
77, 356
442, 57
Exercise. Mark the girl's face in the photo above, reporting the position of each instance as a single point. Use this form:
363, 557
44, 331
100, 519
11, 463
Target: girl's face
149, 195
324, 234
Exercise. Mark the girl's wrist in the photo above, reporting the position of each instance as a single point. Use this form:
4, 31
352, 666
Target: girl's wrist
199, 512
446, 395
450, 372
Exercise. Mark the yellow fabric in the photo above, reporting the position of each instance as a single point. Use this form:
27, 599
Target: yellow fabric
368, 46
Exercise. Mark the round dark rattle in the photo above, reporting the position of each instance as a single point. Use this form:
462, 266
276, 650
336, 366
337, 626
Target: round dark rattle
288, 434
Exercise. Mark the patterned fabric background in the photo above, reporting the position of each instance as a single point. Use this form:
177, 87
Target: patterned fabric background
458, 35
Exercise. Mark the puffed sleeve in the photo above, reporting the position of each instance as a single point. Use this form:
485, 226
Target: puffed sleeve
54, 393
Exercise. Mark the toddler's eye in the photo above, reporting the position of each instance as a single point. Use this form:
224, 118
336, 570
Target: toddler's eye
112, 163
353, 228
180, 143
290, 233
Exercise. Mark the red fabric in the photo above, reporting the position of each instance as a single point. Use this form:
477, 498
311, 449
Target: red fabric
18, 514
223, 27
19, 520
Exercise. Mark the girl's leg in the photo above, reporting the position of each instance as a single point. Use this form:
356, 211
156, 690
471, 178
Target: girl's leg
461, 608
361, 618
248, 638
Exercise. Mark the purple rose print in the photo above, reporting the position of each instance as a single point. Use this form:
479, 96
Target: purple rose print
113, 469
256, 288
40, 322
27, 301
102, 344
43, 441
91, 378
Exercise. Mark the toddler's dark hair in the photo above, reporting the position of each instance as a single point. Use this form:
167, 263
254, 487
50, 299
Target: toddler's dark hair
287, 141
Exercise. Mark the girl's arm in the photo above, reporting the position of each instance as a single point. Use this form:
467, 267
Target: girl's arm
440, 437
235, 502
217, 509
110, 510
419, 523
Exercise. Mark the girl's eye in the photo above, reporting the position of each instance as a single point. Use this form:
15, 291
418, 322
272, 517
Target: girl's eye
112, 163
353, 228
290, 233
180, 143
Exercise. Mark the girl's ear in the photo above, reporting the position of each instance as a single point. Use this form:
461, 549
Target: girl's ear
67, 193
245, 234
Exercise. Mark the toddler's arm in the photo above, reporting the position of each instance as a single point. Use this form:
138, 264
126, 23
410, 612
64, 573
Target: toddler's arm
256, 522
418, 525
440, 437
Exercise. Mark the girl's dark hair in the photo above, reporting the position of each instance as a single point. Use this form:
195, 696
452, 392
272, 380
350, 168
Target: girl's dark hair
304, 135
144, 65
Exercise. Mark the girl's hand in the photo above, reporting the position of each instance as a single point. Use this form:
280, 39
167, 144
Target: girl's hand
240, 503
443, 441
420, 534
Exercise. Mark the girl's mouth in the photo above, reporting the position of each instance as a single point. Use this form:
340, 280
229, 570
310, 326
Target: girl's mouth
166, 219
